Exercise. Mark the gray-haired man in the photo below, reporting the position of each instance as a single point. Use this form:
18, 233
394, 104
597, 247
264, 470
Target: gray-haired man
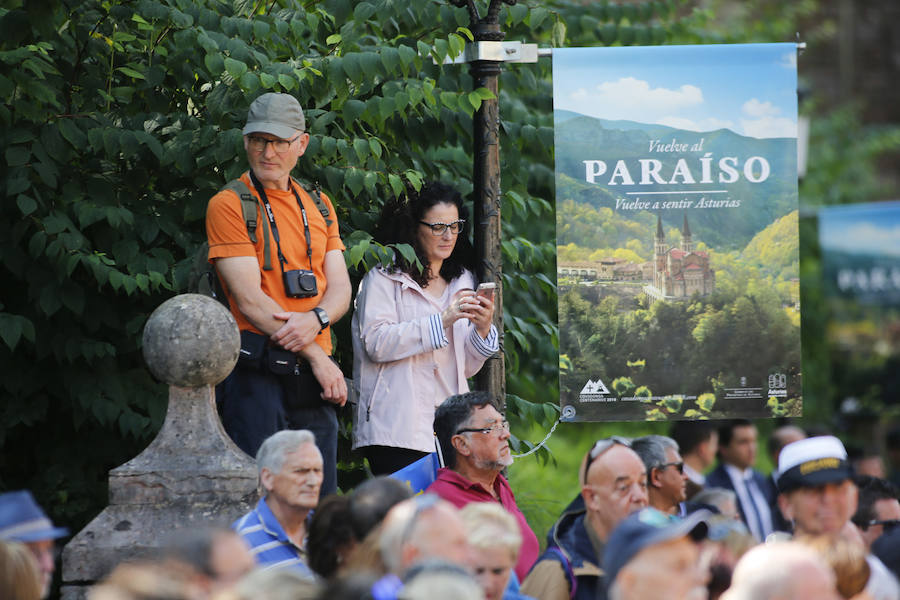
666, 481
290, 470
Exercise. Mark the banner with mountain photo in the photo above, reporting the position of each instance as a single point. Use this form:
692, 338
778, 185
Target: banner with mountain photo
860, 245
677, 232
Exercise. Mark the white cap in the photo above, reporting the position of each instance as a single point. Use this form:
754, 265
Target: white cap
812, 462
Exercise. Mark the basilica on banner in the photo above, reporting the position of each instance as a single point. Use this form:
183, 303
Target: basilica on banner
679, 273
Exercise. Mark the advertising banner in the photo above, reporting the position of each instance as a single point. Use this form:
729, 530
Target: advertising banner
677, 232
861, 274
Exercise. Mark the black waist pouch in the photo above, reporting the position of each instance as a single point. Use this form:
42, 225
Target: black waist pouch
280, 361
253, 348
301, 388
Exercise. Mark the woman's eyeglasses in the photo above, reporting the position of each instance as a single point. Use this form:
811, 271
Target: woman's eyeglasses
439, 228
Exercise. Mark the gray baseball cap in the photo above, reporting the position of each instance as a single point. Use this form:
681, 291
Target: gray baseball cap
277, 114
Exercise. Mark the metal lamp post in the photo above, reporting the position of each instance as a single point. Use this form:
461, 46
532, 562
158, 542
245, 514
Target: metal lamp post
486, 60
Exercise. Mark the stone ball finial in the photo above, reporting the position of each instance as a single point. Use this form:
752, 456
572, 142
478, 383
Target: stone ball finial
191, 341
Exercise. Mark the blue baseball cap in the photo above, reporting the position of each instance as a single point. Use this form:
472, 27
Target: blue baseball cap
22, 520
645, 528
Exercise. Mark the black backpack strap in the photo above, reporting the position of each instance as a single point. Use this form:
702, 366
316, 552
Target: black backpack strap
316, 196
249, 206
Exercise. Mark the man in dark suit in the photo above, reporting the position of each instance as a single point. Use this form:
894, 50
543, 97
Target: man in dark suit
698, 442
755, 493
778, 439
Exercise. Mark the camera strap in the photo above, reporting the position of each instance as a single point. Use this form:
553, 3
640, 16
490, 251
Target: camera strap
271, 218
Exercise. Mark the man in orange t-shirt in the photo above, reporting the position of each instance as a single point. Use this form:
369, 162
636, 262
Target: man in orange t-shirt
285, 312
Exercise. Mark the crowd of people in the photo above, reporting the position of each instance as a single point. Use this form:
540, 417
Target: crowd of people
814, 529
681, 517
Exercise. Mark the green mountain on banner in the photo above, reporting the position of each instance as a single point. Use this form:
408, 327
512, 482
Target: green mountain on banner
580, 138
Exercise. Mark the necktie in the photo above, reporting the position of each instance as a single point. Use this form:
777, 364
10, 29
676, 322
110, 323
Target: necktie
753, 512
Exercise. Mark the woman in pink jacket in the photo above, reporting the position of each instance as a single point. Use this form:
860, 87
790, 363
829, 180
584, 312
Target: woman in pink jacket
418, 334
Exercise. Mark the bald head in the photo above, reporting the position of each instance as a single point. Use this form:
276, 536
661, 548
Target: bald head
423, 527
781, 571
615, 487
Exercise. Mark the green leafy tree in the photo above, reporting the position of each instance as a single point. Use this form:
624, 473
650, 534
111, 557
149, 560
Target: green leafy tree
121, 119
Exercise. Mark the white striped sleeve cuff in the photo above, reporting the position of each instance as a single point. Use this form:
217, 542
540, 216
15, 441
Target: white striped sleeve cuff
436, 327
486, 347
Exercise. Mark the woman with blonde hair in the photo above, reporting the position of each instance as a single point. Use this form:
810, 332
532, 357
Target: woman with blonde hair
494, 538
20, 578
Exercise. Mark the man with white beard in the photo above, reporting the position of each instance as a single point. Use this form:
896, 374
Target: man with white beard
474, 442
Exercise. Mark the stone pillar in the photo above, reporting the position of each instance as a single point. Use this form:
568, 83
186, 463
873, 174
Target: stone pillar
191, 474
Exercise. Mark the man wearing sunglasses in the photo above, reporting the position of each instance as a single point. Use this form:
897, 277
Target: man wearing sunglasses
666, 481
878, 510
282, 268
613, 485
474, 440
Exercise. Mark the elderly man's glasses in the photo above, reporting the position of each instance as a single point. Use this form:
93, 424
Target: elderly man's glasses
258, 144
501, 427
602, 446
439, 228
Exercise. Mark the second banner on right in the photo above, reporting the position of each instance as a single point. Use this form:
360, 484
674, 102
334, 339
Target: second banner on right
677, 232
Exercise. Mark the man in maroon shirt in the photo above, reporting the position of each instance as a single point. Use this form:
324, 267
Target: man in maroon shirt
473, 436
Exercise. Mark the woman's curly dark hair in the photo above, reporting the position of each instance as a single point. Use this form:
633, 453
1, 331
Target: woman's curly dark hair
399, 223
330, 534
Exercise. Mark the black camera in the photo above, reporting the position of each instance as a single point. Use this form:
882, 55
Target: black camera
300, 283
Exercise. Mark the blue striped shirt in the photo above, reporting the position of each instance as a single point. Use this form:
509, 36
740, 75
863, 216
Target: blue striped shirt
268, 542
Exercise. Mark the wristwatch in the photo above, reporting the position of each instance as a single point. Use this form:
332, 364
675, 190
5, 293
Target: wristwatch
324, 321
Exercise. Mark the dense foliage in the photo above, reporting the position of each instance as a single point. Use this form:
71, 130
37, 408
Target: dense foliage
119, 121
120, 118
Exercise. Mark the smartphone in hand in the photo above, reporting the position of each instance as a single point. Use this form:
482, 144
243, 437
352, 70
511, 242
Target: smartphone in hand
486, 289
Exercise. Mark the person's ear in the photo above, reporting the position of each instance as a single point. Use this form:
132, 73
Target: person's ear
409, 554
626, 578
461, 445
653, 479
266, 478
304, 142
785, 507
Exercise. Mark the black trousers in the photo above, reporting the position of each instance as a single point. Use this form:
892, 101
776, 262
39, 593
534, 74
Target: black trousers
384, 460
252, 406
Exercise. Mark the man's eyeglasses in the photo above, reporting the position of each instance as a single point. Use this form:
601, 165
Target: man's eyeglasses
258, 144
439, 228
888, 524
501, 427
600, 447
679, 466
